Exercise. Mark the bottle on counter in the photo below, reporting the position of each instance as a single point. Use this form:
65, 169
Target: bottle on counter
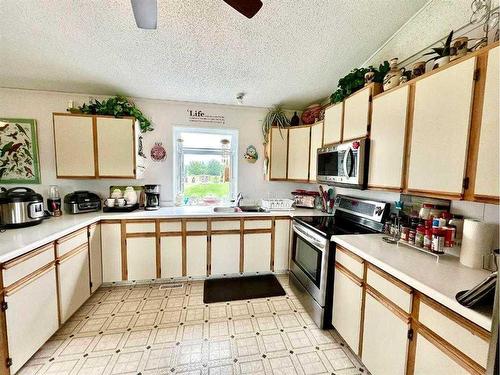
428, 238
437, 245
420, 235
425, 211
457, 221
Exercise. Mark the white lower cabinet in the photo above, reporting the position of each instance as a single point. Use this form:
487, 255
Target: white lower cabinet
74, 282
31, 317
385, 339
347, 303
225, 254
171, 256
141, 258
281, 245
95, 257
196, 256
257, 252
429, 359
111, 252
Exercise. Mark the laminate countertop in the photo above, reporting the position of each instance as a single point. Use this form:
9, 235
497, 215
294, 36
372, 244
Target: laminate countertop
16, 242
440, 281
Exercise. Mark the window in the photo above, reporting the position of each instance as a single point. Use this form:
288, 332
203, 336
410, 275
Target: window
206, 165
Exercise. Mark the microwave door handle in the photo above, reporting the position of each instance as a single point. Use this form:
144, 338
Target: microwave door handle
344, 163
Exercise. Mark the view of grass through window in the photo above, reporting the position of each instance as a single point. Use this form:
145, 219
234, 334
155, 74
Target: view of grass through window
204, 177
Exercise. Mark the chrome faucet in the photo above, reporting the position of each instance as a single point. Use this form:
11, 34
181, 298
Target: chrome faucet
238, 199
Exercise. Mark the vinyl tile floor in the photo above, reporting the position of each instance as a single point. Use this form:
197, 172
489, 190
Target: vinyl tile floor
144, 329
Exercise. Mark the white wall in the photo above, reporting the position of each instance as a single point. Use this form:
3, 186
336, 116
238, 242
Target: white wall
40, 105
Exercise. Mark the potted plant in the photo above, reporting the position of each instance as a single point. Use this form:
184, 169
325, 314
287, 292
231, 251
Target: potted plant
275, 117
117, 106
442, 53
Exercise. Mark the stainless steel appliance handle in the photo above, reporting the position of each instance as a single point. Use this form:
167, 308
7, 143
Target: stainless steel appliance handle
344, 163
308, 238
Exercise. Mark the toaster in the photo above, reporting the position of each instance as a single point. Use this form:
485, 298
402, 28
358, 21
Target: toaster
82, 201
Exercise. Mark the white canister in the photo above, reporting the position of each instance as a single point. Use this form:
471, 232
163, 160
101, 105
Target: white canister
477, 243
130, 195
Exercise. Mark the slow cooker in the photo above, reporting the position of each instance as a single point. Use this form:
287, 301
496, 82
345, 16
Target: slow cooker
20, 207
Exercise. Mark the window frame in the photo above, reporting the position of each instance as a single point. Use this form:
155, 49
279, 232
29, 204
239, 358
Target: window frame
178, 170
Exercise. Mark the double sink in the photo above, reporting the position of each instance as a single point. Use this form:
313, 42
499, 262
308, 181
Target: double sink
239, 209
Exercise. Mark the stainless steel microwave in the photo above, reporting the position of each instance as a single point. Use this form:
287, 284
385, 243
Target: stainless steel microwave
345, 164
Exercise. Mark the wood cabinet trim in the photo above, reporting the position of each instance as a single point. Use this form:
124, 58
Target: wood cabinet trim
458, 319
273, 238
486, 199
158, 248
91, 115
412, 345
67, 237
348, 274
109, 221
390, 278
363, 304
350, 254
395, 309
242, 244
72, 253
140, 234
13, 288
184, 246
170, 234
209, 247
139, 221
123, 242
22, 258
96, 149
452, 352
4, 343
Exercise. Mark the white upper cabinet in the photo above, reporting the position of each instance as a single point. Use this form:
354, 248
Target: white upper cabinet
357, 112
487, 182
96, 147
116, 147
333, 124
316, 142
298, 153
387, 139
74, 146
278, 154
440, 133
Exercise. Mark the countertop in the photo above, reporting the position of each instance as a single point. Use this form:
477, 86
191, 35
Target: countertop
16, 242
440, 281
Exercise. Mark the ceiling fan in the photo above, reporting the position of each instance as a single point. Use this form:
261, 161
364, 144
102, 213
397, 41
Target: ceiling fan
145, 11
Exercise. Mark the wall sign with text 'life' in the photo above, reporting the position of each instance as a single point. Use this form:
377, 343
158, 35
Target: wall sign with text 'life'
200, 116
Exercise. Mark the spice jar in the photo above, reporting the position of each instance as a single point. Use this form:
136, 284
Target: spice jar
411, 236
405, 233
428, 238
437, 240
419, 237
449, 236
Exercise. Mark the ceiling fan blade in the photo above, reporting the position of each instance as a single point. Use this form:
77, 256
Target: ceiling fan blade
248, 8
145, 13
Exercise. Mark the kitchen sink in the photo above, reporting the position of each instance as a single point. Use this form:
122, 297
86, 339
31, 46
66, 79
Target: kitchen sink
252, 209
226, 209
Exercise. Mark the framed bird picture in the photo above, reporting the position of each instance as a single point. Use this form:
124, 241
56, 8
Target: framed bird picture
19, 162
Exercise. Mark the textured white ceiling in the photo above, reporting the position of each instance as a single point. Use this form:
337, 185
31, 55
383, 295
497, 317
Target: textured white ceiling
292, 52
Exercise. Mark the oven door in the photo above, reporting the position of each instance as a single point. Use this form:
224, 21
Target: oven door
309, 261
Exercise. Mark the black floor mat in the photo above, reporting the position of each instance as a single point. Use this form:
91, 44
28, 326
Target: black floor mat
241, 288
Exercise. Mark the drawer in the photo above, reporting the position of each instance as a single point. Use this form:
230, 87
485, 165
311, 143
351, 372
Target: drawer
196, 226
71, 241
466, 337
170, 226
389, 287
140, 227
226, 225
257, 224
350, 261
22, 266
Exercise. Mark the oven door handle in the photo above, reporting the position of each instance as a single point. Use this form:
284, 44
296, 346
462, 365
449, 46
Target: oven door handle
320, 246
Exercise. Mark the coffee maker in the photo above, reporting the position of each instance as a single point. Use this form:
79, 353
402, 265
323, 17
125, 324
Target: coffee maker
152, 197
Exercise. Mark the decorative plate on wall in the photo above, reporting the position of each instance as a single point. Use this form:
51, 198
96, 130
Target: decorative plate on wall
251, 154
158, 152
19, 163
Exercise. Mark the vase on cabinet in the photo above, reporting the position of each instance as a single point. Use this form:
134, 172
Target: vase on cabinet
393, 76
442, 61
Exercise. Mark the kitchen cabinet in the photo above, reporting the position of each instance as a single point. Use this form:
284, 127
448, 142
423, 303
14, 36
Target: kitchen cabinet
357, 111
31, 316
486, 185
225, 254
298, 153
257, 252
332, 132
316, 142
278, 154
431, 359
387, 139
347, 306
95, 257
111, 242
96, 147
74, 281
141, 258
281, 244
196, 255
171, 256
385, 337
74, 146
440, 131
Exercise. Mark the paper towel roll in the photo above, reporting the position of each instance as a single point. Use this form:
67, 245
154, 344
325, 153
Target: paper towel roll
477, 241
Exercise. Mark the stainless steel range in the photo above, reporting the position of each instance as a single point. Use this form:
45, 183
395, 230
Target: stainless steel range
313, 254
